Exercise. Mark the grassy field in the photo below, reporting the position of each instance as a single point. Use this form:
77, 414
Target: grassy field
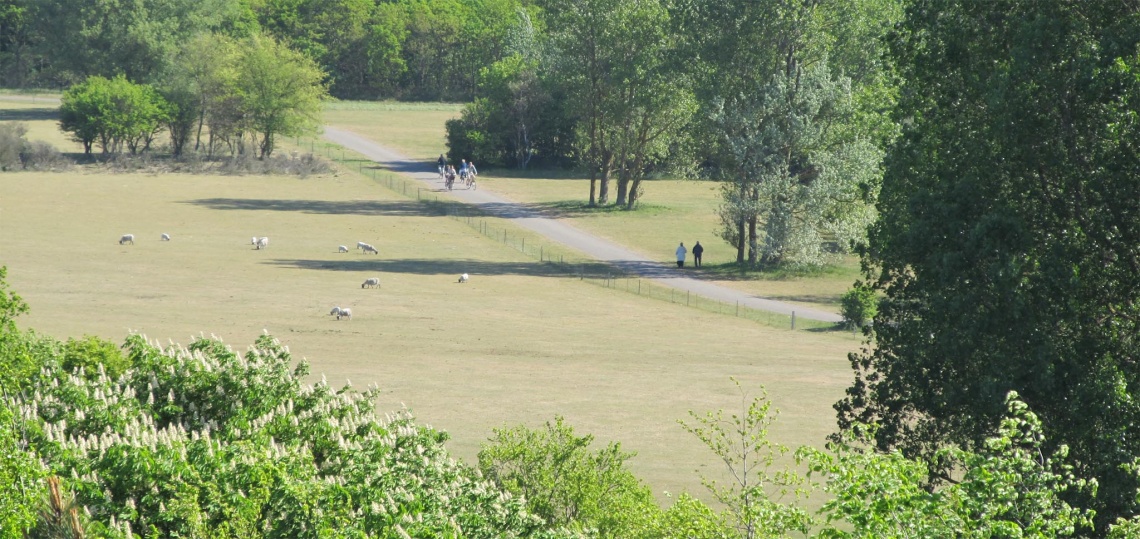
671, 211
515, 345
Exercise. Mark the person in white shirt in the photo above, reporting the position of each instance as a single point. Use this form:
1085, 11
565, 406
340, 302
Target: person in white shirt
681, 255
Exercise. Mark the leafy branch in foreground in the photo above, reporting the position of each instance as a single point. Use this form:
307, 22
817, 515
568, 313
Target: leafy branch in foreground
741, 441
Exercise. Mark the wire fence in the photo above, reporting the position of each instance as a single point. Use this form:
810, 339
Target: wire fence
554, 260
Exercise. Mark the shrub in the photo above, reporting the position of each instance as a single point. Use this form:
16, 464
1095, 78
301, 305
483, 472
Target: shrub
90, 352
39, 155
11, 146
859, 306
201, 438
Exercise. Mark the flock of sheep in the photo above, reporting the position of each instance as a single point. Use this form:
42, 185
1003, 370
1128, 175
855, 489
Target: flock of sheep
263, 242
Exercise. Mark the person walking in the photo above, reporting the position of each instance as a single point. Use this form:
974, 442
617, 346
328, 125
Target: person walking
697, 252
681, 255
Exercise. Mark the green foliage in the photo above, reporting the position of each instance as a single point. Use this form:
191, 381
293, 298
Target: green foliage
691, 519
1006, 246
754, 497
1009, 488
93, 354
21, 476
614, 62
517, 118
83, 38
201, 441
567, 484
279, 91
859, 305
113, 112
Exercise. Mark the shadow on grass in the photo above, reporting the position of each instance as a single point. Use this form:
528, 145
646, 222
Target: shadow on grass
838, 327
731, 271
328, 207
421, 266
29, 115
825, 300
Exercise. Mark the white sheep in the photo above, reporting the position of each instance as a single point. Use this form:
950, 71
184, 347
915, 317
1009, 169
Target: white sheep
360, 245
464, 278
127, 238
342, 249
339, 312
370, 249
371, 281
165, 237
260, 243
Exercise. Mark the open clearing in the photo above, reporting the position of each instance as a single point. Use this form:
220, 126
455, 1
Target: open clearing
515, 345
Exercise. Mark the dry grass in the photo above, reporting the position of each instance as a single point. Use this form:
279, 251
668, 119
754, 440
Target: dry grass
511, 346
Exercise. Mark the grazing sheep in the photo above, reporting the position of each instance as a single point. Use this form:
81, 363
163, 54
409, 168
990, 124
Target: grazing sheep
360, 245
463, 278
127, 238
338, 312
165, 237
370, 249
371, 281
259, 243
342, 249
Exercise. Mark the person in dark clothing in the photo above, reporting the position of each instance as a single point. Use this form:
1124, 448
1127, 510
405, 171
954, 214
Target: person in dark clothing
442, 161
697, 252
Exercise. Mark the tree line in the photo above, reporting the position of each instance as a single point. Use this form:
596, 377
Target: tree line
404, 49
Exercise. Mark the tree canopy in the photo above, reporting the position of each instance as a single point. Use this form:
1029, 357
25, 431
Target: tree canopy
1006, 249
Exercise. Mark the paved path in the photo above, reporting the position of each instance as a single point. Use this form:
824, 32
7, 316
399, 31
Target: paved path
568, 235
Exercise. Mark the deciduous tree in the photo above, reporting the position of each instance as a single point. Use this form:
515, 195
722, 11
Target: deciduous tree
1006, 247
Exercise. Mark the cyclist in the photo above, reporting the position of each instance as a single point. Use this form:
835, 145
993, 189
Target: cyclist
442, 162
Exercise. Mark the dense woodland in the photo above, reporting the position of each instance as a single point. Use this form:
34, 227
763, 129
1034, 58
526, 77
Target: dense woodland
980, 156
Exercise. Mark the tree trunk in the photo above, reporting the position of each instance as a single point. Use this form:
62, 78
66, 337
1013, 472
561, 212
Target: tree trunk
634, 191
604, 189
752, 244
741, 238
593, 187
622, 188
201, 122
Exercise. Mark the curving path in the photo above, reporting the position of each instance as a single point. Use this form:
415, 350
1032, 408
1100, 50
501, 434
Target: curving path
570, 236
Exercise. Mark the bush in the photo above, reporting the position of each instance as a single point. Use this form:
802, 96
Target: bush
859, 306
11, 146
39, 155
90, 352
